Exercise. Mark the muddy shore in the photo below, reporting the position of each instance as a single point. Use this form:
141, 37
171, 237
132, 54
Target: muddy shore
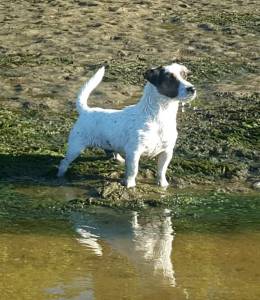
49, 48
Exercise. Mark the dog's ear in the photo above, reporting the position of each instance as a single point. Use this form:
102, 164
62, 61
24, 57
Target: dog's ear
185, 72
152, 75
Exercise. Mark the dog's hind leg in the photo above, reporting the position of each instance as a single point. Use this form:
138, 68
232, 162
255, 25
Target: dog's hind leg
164, 159
115, 156
119, 158
74, 149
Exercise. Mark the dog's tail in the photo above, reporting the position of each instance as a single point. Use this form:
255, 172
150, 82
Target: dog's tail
90, 85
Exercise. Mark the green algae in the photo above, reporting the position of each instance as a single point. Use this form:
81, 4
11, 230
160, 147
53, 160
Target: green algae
202, 207
216, 143
13, 60
244, 21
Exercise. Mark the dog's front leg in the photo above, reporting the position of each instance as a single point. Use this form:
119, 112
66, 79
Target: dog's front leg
132, 163
164, 159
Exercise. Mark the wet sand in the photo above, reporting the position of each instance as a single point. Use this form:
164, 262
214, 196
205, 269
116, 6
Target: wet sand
48, 49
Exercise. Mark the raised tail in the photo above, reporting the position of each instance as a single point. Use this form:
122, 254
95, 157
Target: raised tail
90, 85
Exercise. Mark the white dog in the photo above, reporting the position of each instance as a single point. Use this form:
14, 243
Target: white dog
147, 128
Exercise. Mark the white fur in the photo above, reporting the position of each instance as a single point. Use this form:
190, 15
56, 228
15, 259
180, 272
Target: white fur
147, 128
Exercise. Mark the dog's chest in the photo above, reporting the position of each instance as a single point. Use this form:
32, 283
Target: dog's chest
160, 135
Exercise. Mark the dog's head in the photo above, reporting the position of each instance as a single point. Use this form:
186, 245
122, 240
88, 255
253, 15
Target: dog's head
171, 82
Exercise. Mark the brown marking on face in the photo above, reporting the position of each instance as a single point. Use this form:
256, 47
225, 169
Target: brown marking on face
165, 82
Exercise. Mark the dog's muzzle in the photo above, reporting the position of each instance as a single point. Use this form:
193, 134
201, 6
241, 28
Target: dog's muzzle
191, 90
191, 93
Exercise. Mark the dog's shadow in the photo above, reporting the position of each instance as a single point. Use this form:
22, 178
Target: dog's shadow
42, 168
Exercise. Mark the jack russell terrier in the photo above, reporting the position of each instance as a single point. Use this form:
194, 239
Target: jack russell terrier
147, 128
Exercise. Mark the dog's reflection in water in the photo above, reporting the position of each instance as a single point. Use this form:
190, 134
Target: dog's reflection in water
145, 239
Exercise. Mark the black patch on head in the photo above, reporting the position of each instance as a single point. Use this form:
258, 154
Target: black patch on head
165, 82
153, 75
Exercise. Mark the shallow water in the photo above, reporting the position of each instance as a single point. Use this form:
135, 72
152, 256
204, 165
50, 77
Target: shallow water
109, 254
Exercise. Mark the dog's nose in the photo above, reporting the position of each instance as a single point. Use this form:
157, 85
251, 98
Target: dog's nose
191, 89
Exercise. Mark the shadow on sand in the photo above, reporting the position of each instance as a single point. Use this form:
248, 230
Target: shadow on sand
43, 168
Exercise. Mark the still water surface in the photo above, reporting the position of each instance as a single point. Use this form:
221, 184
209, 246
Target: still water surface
110, 254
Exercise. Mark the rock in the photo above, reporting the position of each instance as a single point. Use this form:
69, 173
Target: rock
184, 5
87, 3
113, 8
175, 19
206, 27
96, 25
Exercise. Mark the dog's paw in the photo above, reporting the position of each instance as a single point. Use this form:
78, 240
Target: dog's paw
130, 183
163, 183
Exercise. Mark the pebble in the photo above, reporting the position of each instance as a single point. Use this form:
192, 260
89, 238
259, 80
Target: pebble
206, 27
184, 5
